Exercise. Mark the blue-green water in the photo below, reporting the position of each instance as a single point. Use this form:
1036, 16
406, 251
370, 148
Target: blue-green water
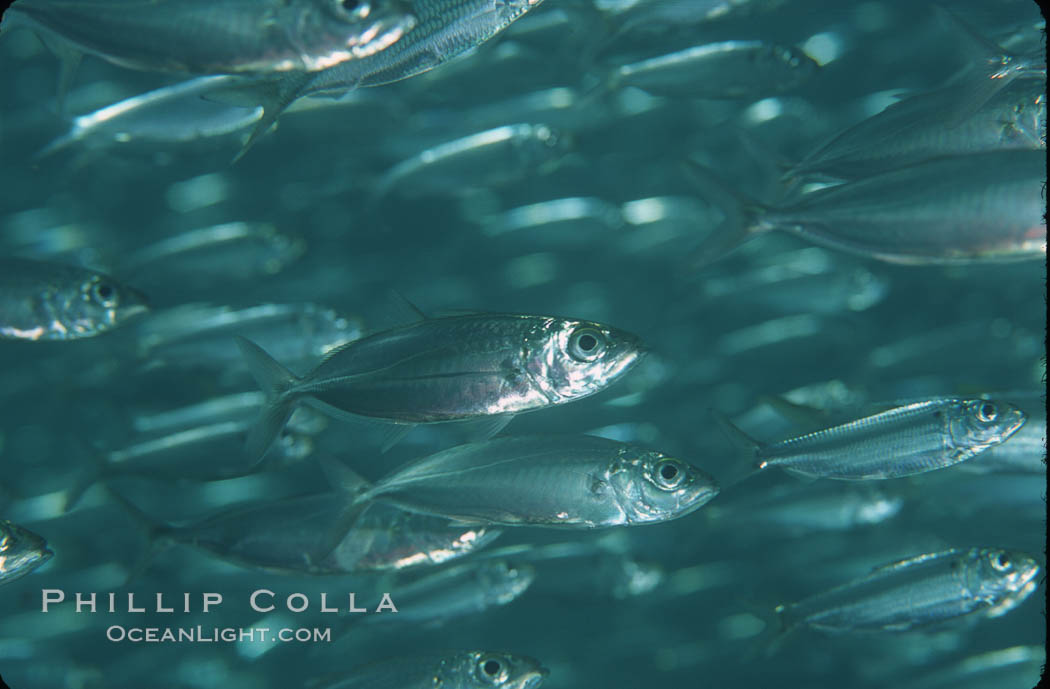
334, 229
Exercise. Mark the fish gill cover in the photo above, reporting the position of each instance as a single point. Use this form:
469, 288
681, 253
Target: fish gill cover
406, 344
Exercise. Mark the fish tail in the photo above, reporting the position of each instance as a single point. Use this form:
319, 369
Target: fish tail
273, 96
748, 446
275, 381
359, 496
980, 80
158, 535
741, 214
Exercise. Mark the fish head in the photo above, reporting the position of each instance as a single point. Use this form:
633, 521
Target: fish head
101, 303
497, 670
21, 551
979, 424
1004, 578
504, 581
653, 487
575, 359
785, 67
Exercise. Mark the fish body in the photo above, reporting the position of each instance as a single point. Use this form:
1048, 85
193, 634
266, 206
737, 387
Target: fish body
232, 36
453, 592
512, 149
291, 536
445, 369
729, 69
902, 441
960, 209
452, 670
49, 301
576, 482
921, 591
914, 129
21, 551
444, 29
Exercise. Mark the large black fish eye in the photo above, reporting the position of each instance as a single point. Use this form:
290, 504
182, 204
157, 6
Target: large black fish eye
987, 412
586, 344
669, 474
1001, 562
355, 8
490, 669
104, 293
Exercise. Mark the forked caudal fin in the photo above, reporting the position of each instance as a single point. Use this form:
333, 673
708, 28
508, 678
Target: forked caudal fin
275, 381
157, 534
748, 447
740, 215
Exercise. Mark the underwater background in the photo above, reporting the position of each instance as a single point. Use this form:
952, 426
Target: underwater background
594, 215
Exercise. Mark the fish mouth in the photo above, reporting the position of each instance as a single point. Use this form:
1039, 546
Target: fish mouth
533, 679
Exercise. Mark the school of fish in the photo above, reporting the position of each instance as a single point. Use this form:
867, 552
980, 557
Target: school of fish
488, 323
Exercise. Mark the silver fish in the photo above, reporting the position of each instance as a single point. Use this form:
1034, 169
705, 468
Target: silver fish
444, 369
291, 535
490, 157
572, 481
453, 592
960, 209
1017, 666
451, 670
202, 37
914, 129
198, 335
21, 551
50, 301
903, 441
444, 30
919, 591
730, 69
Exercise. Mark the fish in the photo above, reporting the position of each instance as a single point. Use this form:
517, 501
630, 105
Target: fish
515, 150
913, 130
464, 589
983, 207
198, 335
285, 536
21, 551
570, 481
233, 36
724, 70
173, 114
902, 441
227, 251
444, 29
445, 369
921, 591
42, 301
450, 670
1016, 666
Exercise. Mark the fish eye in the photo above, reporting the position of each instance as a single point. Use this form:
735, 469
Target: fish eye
1001, 562
491, 670
105, 294
586, 344
987, 412
669, 474
355, 8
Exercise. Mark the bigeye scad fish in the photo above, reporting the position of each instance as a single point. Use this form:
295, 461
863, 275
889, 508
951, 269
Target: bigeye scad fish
290, 536
561, 481
40, 300
447, 369
449, 670
960, 209
729, 69
231, 36
903, 441
21, 551
919, 591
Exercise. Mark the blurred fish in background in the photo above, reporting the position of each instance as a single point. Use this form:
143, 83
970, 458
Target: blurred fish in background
822, 221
